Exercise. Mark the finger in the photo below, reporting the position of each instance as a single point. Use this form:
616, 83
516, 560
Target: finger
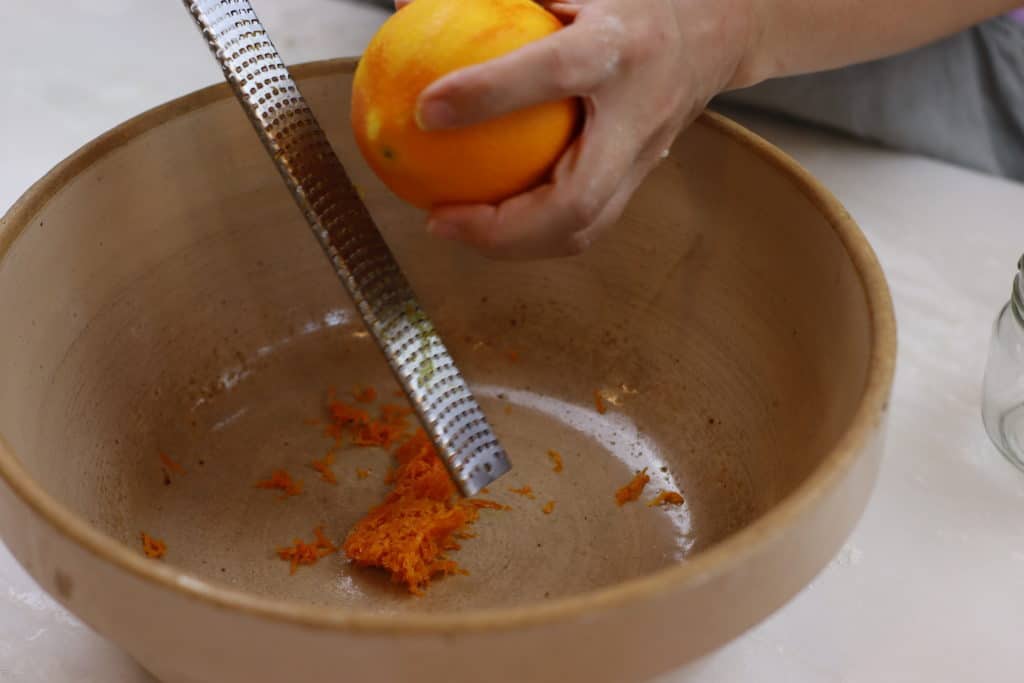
486, 228
572, 61
612, 211
541, 223
566, 11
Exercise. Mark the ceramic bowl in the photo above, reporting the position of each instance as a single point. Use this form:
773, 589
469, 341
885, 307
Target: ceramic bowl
160, 293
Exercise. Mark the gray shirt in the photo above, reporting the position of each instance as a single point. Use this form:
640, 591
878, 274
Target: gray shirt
960, 99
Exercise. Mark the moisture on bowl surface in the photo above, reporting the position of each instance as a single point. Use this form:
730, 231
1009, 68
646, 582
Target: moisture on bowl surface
162, 295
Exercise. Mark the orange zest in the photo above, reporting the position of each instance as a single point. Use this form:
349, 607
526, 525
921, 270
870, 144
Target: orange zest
513, 356
347, 415
524, 491
633, 489
280, 480
171, 464
666, 498
378, 433
549, 507
362, 474
599, 403
483, 504
410, 533
383, 432
366, 395
556, 460
154, 548
302, 553
395, 414
324, 468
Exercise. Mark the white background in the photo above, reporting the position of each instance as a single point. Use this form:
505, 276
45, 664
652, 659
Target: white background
930, 587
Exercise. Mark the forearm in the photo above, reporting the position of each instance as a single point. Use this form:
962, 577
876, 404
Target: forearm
789, 37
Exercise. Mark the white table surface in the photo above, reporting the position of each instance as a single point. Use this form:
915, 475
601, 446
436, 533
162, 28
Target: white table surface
931, 585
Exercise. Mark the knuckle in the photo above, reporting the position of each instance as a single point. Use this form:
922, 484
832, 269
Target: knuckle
563, 73
487, 240
582, 210
577, 244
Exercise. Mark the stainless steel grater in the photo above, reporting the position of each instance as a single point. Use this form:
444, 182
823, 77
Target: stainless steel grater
352, 242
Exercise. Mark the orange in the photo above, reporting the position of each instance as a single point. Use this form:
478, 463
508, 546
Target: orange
483, 163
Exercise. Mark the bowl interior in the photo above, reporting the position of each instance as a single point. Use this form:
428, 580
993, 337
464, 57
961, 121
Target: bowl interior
168, 298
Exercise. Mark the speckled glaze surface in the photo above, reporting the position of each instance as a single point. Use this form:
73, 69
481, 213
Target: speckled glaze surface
736, 322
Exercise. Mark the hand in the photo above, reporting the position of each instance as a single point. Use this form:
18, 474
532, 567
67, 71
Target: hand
644, 69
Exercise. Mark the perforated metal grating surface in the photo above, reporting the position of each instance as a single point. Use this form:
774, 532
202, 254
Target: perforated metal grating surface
350, 239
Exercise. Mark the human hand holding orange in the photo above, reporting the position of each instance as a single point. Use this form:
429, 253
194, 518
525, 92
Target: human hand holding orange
643, 69
641, 72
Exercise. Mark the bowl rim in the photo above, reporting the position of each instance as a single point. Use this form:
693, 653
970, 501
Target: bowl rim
718, 560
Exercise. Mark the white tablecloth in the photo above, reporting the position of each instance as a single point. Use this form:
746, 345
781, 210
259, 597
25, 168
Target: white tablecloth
930, 587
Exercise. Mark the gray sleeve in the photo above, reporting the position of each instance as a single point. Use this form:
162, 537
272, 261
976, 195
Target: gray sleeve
960, 99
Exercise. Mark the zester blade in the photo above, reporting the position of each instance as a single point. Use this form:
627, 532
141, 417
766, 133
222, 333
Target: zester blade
352, 242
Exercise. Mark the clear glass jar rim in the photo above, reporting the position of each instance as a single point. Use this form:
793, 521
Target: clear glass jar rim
1017, 297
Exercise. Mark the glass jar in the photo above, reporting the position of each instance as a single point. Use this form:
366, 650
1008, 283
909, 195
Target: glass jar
1003, 399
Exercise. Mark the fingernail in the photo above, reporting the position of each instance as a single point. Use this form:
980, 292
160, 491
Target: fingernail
442, 229
434, 115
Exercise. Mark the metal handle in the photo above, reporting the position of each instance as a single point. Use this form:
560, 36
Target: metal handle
352, 242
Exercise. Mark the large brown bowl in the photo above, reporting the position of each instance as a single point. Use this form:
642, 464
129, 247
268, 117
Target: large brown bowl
160, 293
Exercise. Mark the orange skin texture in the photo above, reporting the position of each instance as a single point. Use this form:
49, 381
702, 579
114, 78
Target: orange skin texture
483, 163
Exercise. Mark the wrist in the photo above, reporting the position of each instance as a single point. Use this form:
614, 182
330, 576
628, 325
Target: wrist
754, 63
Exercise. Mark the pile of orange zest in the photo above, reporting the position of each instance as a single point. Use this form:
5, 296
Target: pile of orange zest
281, 481
599, 403
324, 468
633, 489
365, 395
666, 498
300, 552
362, 474
524, 491
410, 533
556, 460
153, 547
549, 507
171, 464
